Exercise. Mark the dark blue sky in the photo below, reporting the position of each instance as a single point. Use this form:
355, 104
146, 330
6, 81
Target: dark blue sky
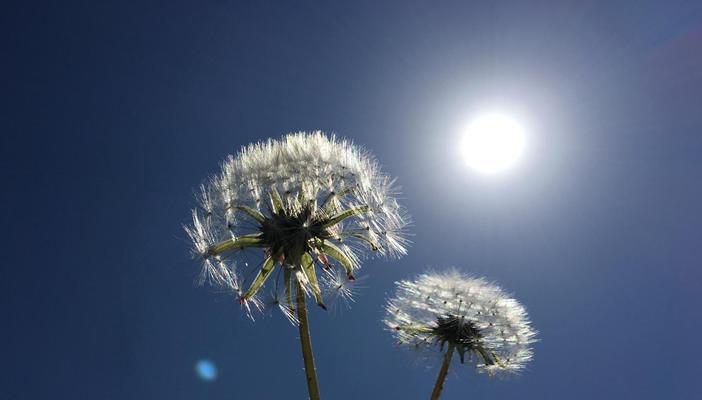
112, 113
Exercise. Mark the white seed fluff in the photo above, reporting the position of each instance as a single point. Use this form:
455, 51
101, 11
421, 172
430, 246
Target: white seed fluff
504, 329
305, 170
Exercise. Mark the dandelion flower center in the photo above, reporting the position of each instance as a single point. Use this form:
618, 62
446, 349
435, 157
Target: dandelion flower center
457, 331
290, 233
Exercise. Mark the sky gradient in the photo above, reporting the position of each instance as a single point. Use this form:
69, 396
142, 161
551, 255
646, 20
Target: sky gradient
113, 112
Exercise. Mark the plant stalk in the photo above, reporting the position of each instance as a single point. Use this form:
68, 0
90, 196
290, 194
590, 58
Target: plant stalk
306, 342
439, 385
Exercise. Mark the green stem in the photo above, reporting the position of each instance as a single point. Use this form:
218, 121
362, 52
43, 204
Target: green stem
306, 342
439, 385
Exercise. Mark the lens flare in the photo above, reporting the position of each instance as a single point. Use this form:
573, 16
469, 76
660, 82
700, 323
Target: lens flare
206, 370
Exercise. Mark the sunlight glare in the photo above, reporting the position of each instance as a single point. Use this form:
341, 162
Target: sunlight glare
493, 143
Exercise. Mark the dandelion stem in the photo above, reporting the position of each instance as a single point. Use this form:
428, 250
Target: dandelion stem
306, 342
439, 385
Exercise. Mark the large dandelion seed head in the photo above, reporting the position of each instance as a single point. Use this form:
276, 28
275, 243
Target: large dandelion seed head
453, 312
305, 202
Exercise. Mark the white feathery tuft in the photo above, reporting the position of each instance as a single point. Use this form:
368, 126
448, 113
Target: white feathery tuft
307, 171
340, 289
499, 325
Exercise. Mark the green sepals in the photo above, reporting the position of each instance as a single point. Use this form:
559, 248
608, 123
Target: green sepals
336, 253
373, 245
308, 269
346, 214
252, 240
414, 328
461, 350
276, 201
497, 360
261, 277
287, 275
253, 213
489, 359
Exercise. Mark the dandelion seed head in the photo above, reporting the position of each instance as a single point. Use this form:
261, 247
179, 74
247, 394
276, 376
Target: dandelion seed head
471, 316
307, 201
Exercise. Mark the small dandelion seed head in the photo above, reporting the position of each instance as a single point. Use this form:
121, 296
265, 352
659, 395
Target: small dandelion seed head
470, 316
306, 202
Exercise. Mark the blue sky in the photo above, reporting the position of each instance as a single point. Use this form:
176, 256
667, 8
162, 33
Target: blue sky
112, 114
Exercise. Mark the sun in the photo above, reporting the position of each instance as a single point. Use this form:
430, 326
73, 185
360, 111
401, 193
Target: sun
493, 143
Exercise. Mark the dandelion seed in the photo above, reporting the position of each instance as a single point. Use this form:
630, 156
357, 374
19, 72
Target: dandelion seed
340, 289
456, 314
